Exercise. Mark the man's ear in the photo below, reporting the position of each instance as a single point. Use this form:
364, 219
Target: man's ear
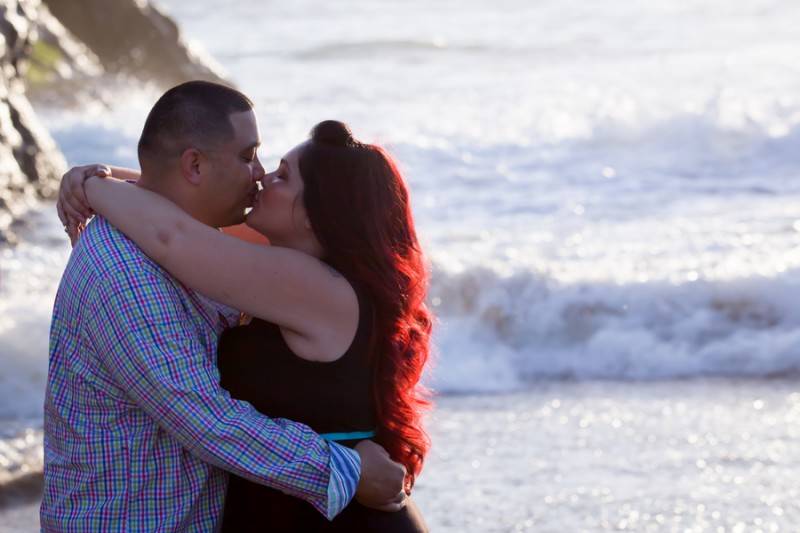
191, 159
307, 223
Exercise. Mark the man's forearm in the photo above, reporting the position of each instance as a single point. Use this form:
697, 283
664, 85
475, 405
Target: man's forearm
172, 380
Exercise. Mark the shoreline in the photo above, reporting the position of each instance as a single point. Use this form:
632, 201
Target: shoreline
589, 456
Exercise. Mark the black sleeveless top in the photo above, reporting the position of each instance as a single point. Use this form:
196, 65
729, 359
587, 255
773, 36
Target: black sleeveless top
256, 365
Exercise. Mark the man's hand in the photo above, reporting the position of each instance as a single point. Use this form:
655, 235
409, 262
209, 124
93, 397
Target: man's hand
72, 206
381, 485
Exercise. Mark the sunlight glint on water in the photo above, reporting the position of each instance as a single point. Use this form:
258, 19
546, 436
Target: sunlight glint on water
605, 190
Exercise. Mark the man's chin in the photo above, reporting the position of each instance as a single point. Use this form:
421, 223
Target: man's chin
234, 221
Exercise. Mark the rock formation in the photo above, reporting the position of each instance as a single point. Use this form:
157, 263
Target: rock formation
52, 43
133, 37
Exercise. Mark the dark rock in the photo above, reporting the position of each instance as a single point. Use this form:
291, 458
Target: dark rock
53, 51
26, 488
133, 37
30, 162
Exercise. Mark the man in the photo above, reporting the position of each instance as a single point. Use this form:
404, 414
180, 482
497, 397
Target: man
138, 433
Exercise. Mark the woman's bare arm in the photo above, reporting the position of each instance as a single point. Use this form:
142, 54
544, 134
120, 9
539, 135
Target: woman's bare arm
298, 292
123, 173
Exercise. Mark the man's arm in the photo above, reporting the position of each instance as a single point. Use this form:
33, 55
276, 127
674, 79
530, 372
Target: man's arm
140, 331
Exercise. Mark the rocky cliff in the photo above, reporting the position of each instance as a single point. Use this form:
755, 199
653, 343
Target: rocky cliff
59, 41
133, 37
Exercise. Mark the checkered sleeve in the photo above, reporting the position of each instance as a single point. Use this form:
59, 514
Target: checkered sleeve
136, 321
345, 471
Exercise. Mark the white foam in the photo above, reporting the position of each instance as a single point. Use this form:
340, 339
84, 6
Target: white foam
29, 275
502, 331
597, 203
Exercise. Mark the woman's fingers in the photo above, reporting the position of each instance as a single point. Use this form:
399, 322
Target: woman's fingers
73, 215
74, 186
72, 206
103, 171
396, 504
400, 498
79, 204
65, 188
61, 215
67, 196
71, 193
77, 198
74, 232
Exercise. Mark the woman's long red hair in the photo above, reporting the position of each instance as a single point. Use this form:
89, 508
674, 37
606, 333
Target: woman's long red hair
358, 205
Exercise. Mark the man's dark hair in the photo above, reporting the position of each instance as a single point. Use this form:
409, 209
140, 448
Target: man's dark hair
195, 113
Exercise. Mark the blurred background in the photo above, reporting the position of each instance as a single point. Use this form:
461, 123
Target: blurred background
608, 194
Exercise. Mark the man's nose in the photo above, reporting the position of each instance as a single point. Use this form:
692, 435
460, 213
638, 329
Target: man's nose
258, 171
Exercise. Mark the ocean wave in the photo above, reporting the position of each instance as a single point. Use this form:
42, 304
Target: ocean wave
369, 48
719, 131
500, 332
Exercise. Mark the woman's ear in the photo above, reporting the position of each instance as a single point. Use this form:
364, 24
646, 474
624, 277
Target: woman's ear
190, 165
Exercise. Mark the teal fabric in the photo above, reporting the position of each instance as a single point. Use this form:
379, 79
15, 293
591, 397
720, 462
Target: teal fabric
353, 435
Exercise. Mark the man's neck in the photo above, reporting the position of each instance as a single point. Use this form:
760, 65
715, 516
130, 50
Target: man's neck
173, 193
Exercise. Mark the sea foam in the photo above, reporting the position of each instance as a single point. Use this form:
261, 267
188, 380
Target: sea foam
499, 332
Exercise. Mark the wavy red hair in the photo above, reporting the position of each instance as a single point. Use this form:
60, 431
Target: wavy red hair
358, 204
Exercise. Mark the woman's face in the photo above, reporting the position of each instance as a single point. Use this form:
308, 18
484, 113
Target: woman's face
278, 211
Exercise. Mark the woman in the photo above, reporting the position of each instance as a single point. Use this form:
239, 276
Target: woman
341, 333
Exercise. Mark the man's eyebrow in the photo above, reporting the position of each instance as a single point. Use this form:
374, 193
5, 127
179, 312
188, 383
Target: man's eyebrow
252, 146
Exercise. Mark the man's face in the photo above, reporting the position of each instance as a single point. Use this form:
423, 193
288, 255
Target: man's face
230, 184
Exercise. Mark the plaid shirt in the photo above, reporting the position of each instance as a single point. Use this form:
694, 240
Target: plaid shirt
138, 433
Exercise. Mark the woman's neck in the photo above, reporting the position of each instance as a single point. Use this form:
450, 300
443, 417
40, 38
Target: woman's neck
307, 246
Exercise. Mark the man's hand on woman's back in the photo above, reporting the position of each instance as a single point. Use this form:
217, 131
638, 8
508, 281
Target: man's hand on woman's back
381, 485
